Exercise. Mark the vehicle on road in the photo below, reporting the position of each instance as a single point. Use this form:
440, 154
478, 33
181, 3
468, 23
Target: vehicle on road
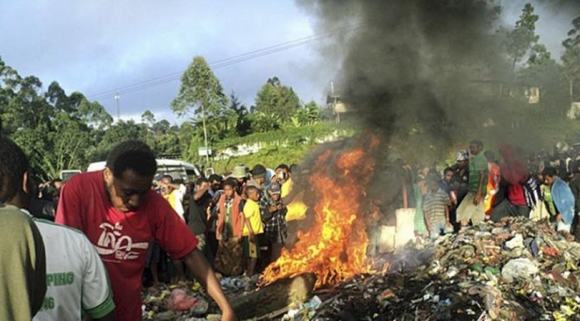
175, 168
65, 174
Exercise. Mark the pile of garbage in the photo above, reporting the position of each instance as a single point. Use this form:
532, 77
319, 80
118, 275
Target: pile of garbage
513, 270
187, 300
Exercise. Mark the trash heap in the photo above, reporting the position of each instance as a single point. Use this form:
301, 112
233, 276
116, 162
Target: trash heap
513, 270
187, 301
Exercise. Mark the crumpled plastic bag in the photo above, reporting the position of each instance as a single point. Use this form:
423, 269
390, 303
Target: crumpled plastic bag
516, 242
522, 268
180, 301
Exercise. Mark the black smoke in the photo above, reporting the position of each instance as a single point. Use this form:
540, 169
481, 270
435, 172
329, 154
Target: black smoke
425, 76
429, 75
414, 70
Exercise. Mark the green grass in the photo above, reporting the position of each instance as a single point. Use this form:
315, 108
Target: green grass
288, 145
288, 133
269, 157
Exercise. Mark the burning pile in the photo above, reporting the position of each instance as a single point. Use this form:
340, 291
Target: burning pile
334, 248
513, 270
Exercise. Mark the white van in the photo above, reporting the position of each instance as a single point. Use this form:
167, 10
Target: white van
175, 168
68, 173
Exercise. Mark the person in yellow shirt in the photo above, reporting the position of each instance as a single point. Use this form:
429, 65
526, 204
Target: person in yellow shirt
291, 197
284, 177
174, 194
253, 227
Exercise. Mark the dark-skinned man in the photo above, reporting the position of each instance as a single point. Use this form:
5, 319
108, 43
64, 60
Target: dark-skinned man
76, 279
472, 207
120, 213
22, 257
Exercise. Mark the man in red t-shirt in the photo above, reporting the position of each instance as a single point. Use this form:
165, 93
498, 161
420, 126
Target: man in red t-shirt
121, 215
514, 175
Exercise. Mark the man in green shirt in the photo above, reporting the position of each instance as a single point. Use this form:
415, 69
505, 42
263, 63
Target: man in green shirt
472, 206
22, 257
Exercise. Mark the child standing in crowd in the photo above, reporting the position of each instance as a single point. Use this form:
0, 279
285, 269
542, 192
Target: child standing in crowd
435, 207
563, 199
229, 230
253, 227
275, 221
229, 224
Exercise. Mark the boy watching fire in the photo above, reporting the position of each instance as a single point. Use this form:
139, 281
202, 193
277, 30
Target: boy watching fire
275, 221
435, 207
253, 227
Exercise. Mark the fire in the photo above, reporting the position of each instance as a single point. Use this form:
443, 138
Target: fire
334, 248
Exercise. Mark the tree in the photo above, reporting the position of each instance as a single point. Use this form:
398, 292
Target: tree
545, 73
201, 95
161, 136
92, 113
26, 107
571, 57
308, 115
120, 131
148, 118
264, 122
161, 127
274, 98
52, 127
68, 145
165, 139
189, 141
520, 40
243, 122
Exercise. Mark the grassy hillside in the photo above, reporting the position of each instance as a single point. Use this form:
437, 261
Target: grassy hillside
287, 145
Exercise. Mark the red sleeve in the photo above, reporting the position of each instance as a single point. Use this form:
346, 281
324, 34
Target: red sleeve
68, 211
171, 232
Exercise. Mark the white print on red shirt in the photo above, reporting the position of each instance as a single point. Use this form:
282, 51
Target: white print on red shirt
112, 241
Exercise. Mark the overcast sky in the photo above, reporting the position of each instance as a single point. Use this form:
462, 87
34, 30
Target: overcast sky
97, 46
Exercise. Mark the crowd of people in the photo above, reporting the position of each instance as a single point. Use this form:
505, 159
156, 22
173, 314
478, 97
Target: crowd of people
239, 220
120, 226
88, 242
481, 186
90, 263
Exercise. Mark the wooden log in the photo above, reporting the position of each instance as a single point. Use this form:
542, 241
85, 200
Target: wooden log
274, 297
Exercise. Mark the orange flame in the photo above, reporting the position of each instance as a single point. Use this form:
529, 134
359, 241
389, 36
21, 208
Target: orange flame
334, 248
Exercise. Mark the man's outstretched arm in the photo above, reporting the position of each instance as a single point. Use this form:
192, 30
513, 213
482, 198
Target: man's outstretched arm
202, 272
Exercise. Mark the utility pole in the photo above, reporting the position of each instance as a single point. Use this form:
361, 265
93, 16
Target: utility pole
334, 99
117, 97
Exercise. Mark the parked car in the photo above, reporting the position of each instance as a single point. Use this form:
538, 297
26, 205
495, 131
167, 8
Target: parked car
64, 175
175, 168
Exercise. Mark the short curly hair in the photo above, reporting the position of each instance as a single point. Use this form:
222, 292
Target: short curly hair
550, 171
13, 165
134, 155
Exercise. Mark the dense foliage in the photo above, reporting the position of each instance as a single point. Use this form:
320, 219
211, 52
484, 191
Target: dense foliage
67, 131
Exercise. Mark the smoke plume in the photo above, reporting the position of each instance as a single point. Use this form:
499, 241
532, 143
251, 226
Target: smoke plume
414, 69
426, 75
